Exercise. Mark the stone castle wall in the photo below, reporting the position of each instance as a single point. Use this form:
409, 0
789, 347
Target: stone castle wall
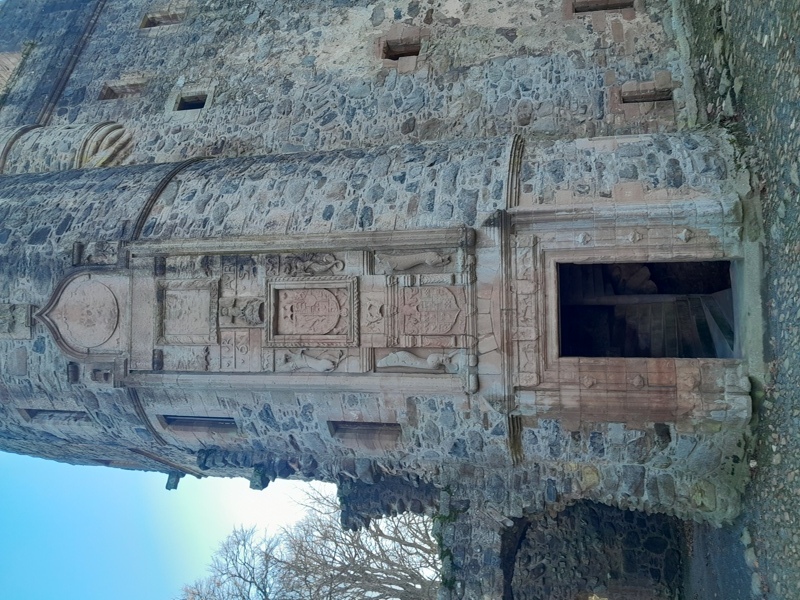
281, 78
519, 128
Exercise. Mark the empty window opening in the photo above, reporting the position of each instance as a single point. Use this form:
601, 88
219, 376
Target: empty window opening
191, 102
366, 435
198, 423
581, 6
647, 310
654, 95
40, 416
397, 49
121, 90
160, 19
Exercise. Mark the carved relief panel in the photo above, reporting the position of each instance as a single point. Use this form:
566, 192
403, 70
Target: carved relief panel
391, 309
229, 313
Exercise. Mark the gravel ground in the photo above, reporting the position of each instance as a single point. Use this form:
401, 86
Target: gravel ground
748, 59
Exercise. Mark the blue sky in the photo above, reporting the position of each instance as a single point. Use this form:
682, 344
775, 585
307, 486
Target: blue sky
95, 533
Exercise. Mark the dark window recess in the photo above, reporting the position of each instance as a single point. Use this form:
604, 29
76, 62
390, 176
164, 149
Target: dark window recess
121, 90
581, 6
647, 96
199, 423
366, 434
396, 49
160, 19
54, 416
647, 310
191, 102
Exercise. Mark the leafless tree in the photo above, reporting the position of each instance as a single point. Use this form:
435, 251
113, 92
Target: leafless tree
393, 559
244, 567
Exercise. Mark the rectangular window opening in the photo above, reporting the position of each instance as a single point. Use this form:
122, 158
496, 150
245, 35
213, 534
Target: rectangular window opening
397, 49
198, 423
582, 6
647, 96
367, 435
191, 102
647, 310
121, 90
161, 19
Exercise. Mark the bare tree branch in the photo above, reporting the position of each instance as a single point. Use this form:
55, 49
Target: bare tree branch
393, 559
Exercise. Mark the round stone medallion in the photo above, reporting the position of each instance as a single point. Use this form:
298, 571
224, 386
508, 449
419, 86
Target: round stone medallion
87, 313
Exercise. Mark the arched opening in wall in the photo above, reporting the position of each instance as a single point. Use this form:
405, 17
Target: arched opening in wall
591, 551
648, 310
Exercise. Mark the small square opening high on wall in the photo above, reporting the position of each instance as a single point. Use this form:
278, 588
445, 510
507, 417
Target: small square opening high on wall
191, 101
160, 19
397, 49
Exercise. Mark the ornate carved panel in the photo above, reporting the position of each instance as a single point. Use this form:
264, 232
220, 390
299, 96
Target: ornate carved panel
635, 391
312, 312
85, 312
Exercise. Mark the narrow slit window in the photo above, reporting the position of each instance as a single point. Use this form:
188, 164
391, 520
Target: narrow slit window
161, 19
191, 102
198, 423
654, 95
366, 434
397, 49
583, 6
121, 90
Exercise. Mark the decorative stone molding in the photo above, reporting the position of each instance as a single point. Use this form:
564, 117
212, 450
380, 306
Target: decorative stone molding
633, 391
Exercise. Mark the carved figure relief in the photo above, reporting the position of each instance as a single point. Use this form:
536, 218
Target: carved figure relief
323, 362
241, 312
388, 263
311, 264
436, 361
